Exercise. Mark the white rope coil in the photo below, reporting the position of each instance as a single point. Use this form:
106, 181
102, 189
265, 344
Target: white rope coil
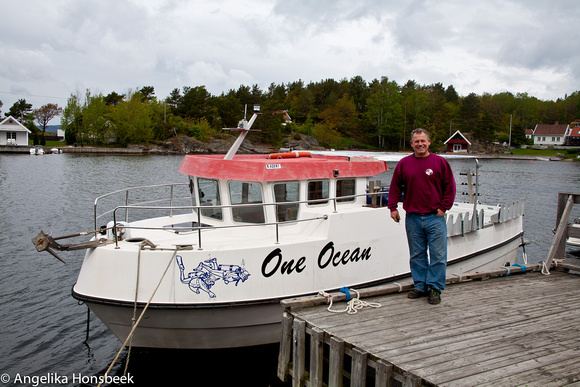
352, 306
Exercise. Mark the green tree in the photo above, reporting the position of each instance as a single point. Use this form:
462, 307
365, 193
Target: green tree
385, 114
469, 113
71, 119
527, 110
451, 95
415, 109
174, 99
131, 121
95, 121
439, 114
147, 93
359, 91
299, 102
113, 99
22, 111
276, 95
195, 103
341, 117
229, 110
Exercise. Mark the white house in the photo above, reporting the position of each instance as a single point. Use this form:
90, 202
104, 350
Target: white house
550, 134
13, 132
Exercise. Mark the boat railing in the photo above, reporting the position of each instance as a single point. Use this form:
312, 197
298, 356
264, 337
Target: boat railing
127, 197
200, 226
198, 210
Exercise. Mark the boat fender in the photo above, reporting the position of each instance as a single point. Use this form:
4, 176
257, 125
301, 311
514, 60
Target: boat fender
345, 291
289, 155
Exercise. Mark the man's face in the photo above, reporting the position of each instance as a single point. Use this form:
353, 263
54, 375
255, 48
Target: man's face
420, 144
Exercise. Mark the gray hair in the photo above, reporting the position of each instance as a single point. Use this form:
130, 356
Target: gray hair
419, 131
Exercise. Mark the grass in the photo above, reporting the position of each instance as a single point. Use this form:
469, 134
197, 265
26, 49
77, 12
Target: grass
567, 154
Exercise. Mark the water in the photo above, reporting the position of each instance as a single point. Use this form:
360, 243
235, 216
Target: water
42, 328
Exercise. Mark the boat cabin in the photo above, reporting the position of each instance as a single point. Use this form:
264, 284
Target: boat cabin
259, 189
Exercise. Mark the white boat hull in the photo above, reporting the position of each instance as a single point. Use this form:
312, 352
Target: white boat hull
248, 312
237, 325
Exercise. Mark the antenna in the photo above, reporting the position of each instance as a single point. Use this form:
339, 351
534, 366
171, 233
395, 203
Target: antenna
243, 127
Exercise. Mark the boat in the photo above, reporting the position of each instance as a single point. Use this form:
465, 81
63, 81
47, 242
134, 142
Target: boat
37, 151
572, 241
206, 265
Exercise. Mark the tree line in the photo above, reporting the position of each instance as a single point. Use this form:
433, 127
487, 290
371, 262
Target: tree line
348, 113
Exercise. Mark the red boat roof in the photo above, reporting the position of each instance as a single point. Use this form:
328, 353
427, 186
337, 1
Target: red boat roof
261, 168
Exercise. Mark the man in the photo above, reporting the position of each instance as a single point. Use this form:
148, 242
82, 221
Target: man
425, 182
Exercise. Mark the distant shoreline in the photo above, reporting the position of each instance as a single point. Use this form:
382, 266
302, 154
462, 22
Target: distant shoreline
137, 151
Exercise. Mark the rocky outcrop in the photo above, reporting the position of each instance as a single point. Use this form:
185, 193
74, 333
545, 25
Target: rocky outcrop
190, 145
301, 142
221, 145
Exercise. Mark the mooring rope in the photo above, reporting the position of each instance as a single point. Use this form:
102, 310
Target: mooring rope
129, 337
146, 242
524, 254
353, 305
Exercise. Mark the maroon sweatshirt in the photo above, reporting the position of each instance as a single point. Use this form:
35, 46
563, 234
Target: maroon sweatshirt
427, 184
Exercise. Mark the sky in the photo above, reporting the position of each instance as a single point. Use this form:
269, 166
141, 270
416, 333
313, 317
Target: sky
50, 49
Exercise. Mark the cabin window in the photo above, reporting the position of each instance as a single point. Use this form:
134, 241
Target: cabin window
318, 192
209, 195
287, 192
345, 187
248, 195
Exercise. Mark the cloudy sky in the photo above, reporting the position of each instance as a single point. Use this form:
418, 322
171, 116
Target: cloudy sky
50, 49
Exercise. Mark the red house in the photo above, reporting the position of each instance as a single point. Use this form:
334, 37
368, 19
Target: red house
457, 143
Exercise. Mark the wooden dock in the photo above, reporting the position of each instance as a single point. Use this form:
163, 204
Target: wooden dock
518, 325
490, 329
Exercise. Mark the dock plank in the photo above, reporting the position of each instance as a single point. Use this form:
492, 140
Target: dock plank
520, 329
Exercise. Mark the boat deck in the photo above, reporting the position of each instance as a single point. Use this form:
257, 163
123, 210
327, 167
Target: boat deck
522, 329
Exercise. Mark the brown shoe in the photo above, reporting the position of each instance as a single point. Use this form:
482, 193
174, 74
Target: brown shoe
434, 296
416, 293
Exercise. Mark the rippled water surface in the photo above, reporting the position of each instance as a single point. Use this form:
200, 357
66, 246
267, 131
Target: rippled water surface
42, 328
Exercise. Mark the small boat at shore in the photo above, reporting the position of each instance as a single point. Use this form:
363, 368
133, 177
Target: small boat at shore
209, 260
37, 151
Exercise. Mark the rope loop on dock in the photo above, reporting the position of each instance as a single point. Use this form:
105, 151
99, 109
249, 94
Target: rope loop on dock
509, 271
459, 278
545, 268
352, 306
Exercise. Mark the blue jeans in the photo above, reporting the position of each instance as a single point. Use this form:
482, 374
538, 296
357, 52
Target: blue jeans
427, 232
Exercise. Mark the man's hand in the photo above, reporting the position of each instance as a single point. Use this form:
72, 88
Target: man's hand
395, 216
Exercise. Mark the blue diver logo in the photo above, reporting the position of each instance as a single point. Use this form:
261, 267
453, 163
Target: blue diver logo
205, 275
